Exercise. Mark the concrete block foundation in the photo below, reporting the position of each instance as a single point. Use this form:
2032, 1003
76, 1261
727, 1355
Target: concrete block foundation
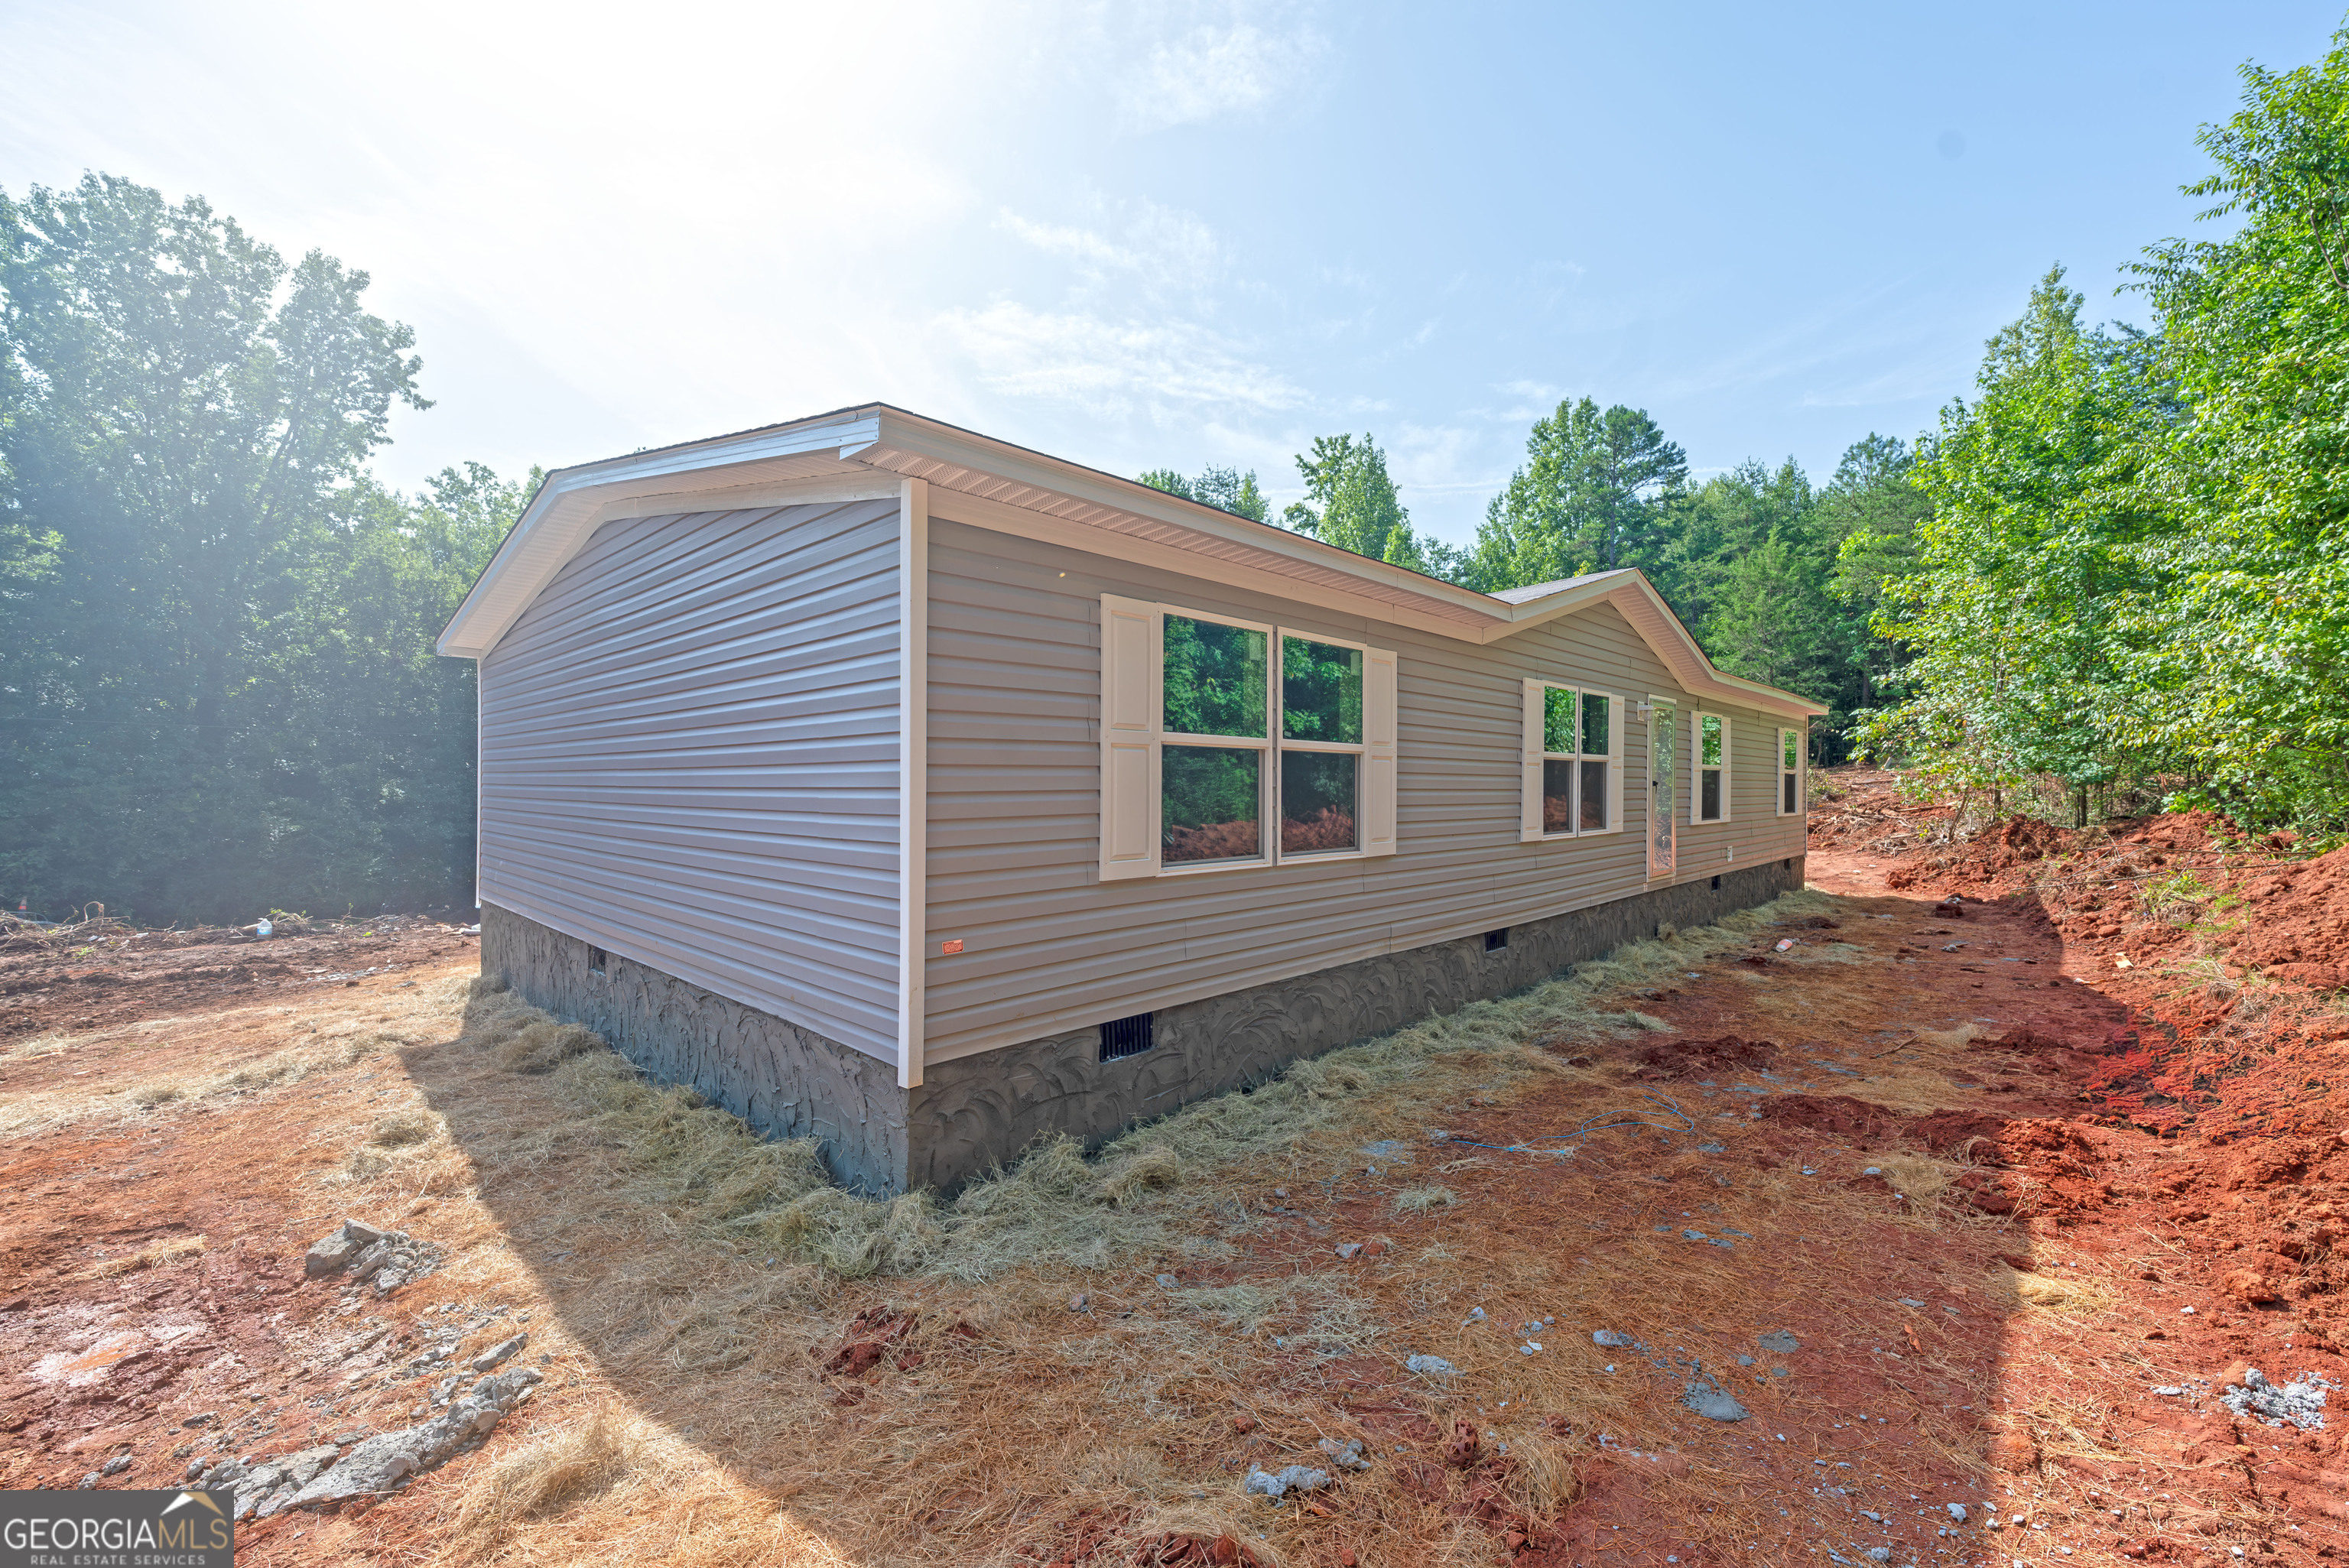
978, 1111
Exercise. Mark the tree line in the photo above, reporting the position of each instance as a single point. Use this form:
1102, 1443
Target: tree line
1780, 579
2115, 576
2118, 571
218, 693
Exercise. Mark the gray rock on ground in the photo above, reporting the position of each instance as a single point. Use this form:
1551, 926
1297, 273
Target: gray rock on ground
1273, 1487
1431, 1366
1707, 1398
1779, 1340
1347, 1455
380, 1463
505, 1350
331, 1254
361, 1253
2300, 1402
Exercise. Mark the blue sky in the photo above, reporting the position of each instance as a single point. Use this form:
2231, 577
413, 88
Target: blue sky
1168, 234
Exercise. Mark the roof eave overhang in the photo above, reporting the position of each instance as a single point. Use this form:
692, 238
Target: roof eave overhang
975, 479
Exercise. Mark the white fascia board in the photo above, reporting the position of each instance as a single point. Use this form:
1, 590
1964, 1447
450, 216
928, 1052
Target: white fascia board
978, 511
917, 437
869, 446
572, 503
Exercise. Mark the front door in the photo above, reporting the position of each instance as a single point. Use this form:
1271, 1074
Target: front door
1664, 729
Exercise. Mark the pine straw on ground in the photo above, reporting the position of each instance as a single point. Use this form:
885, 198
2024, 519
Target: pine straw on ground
700, 1276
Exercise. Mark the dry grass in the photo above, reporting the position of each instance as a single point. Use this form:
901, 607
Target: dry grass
594, 1451
1055, 1206
996, 1445
684, 1422
1420, 1199
154, 1254
220, 1057
2054, 1293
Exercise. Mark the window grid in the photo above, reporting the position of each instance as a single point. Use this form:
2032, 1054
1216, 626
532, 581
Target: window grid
1579, 719
1274, 746
1302, 836
1711, 765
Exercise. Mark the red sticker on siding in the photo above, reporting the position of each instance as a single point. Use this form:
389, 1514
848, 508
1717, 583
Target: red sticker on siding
953, 946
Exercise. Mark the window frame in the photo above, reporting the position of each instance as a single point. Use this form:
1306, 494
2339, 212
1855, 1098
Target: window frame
1281, 744
1267, 788
1532, 815
1698, 770
1133, 740
1790, 735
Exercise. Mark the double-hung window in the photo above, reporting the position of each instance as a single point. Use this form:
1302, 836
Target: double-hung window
1573, 762
1790, 772
1229, 743
1709, 801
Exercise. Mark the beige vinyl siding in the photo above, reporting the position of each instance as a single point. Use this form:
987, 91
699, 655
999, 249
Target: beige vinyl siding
1014, 789
689, 757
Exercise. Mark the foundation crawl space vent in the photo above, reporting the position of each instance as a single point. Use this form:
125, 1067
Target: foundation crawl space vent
1124, 1038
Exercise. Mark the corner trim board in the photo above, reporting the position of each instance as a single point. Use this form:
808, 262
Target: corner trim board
913, 770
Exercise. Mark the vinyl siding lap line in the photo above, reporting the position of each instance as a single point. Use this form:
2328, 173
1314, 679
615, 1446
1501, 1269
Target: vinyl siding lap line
689, 746
1014, 671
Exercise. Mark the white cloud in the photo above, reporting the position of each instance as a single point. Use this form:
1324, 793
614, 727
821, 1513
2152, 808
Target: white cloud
1113, 367
1160, 248
1539, 391
1207, 72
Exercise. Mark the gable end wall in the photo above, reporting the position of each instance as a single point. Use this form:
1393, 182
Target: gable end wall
689, 758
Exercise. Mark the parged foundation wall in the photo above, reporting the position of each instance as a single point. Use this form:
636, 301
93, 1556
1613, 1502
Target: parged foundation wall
784, 1080
980, 1110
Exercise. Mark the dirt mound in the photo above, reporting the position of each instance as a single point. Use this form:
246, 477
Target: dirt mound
2302, 931
1727, 1054
1866, 1125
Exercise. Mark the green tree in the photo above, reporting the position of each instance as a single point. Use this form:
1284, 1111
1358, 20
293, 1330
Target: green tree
217, 689
1585, 500
1227, 490
2245, 660
1350, 501
2026, 609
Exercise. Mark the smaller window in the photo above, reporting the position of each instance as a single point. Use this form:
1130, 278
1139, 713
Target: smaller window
597, 960
1712, 751
1124, 1038
1574, 761
1497, 939
1790, 771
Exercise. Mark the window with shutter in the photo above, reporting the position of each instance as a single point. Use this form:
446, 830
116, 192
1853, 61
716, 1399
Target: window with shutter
1572, 763
1790, 772
1229, 744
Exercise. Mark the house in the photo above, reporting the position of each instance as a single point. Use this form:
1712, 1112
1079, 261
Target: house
924, 794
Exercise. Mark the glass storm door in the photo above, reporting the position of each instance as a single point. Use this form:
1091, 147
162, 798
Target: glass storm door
1663, 729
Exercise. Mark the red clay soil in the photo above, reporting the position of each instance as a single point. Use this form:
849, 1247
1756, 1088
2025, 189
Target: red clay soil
2159, 1140
115, 975
2204, 1137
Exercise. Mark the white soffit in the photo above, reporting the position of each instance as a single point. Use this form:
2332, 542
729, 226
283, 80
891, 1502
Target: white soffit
863, 451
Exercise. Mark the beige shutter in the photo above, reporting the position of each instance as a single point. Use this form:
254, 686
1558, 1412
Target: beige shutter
1529, 821
1694, 767
1726, 741
1379, 756
1129, 737
1615, 807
